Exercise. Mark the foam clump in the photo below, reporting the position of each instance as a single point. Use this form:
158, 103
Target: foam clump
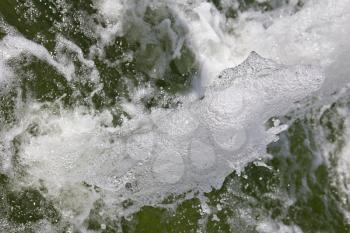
193, 147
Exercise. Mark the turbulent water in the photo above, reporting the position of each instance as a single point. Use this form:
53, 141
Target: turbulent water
174, 116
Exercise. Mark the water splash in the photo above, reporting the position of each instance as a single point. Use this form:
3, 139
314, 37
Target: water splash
193, 147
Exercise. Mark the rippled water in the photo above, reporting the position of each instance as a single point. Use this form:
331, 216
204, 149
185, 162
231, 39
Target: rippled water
174, 116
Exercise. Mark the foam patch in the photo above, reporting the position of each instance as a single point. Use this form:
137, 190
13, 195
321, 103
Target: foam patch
192, 147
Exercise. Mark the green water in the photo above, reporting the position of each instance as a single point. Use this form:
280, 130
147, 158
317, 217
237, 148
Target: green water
258, 193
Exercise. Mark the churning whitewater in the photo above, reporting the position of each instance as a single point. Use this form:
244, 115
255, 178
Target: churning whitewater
249, 70
194, 146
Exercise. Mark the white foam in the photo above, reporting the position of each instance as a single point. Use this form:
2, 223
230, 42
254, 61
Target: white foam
5, 73
168, 166
343, 164
167, 150
311, 36
202, 155
11, 46
196, 145
177, 123
111, 9
140, 146
268, 226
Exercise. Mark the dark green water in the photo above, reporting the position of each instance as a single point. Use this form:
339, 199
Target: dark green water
298, 187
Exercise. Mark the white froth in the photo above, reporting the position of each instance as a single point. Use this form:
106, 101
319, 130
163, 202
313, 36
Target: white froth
168, 166
149, 154
343, 164
310, 36
269, 226
140, 146
111, 9
230, 139
222, 131
11, 46
177, 123
202, 154
5, 72
227, 104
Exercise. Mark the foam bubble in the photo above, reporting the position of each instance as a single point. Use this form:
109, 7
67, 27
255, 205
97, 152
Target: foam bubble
230, 138
227, 105
202, 154
177, 123
140, 146
168, 166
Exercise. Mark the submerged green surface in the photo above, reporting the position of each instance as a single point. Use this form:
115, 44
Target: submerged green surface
258, 193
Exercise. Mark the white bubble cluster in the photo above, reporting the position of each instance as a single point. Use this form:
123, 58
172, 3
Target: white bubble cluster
195, 146
192, 147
